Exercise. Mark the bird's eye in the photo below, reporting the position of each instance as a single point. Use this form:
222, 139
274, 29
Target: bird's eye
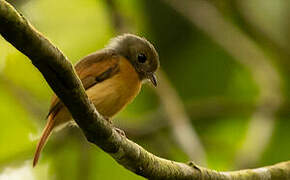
142, 58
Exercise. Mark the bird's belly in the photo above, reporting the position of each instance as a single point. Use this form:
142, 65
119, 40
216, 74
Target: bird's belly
112, 95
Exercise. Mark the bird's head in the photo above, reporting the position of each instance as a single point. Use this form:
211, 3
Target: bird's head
140, 52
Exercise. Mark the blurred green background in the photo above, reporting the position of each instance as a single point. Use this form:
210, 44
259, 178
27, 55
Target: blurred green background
226, 60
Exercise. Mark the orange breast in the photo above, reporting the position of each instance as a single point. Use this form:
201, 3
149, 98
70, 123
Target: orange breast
113, 94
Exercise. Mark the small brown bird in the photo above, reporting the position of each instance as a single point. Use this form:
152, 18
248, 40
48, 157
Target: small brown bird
112, 78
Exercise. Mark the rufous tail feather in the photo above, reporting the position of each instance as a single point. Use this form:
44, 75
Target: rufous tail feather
46, 132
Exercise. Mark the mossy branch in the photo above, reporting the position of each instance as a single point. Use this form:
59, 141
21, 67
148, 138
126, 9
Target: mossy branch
61, 76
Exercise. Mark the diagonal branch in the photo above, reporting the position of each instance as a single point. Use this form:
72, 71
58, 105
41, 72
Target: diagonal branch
60, 75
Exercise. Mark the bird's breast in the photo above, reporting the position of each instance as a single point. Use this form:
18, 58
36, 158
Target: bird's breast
113, 94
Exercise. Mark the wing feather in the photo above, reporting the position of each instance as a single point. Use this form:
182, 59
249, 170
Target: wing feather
91, 70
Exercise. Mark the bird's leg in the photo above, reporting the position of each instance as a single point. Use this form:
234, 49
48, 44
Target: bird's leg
108, 119
120, 131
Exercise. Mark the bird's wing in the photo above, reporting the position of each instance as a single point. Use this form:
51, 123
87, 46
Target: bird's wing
91, 70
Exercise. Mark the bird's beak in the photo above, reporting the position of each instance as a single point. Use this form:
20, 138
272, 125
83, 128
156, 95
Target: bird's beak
153, 79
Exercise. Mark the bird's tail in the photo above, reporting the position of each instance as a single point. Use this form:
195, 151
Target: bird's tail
46, 132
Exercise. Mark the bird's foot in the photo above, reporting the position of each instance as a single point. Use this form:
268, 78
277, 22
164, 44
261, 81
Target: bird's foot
108, 119
120, 131
192, 164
